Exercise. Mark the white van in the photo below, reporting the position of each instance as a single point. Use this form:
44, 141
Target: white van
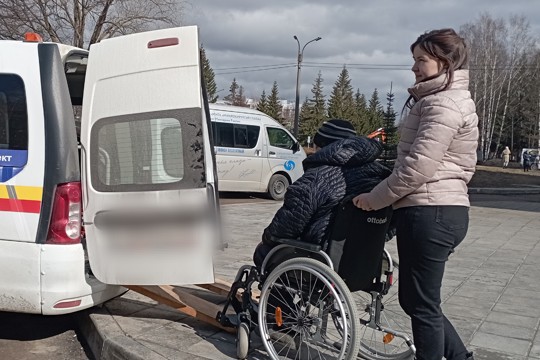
147, 197
254, 152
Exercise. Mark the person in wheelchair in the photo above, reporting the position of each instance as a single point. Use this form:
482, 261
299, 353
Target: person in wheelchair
342, 166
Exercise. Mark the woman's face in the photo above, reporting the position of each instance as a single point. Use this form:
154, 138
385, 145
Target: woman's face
425, 65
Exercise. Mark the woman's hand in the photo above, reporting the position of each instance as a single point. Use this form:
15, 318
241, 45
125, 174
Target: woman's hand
362, 201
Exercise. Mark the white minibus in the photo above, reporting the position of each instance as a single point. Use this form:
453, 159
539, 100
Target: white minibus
135, 202
254, 152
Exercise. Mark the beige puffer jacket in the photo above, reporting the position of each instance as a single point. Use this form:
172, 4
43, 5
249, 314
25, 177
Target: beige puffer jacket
437, 148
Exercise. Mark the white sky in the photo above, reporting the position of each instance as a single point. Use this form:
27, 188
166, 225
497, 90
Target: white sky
251, 33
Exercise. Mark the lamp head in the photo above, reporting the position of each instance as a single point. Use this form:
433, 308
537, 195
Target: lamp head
295, 38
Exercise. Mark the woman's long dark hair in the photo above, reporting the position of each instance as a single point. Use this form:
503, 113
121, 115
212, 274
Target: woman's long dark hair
448, 47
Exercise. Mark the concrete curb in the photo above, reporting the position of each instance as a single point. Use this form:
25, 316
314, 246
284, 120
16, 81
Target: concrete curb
106, 339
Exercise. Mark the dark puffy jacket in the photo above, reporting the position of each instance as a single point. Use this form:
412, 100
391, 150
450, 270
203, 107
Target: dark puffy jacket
343, 168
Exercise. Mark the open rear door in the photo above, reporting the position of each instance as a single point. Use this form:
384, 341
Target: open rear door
149, 195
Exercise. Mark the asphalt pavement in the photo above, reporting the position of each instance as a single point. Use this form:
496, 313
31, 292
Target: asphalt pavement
490, 292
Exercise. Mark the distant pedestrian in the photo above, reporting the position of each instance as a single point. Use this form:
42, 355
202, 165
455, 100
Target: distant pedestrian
506, 157
526, 161
428, 187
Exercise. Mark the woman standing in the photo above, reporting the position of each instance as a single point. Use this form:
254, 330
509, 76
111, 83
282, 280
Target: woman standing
428, 187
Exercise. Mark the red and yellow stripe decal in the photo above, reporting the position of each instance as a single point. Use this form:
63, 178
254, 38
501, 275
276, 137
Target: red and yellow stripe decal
26, 199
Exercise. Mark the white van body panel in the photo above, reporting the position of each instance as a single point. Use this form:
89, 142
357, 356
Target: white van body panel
64, 279
19, 276
130, 84
250, 169
24, 189
35, 277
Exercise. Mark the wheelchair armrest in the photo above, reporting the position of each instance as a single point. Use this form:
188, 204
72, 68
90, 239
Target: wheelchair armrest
297, 244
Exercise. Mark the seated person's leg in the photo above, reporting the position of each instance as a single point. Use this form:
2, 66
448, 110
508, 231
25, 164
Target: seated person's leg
260, 253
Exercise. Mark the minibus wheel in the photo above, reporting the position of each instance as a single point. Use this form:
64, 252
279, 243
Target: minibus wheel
278, 186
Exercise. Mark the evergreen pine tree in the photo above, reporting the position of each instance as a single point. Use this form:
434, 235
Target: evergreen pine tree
390, 147
375, 112
209, 77
233, 93
313, 112
240, 98
274, 107
341, 102
263, 103
361, 119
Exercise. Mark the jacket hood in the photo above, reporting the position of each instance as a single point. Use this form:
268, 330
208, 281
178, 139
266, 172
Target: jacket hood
351, 152
424, 88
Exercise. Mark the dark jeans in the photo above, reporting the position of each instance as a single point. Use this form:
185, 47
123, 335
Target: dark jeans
426, 236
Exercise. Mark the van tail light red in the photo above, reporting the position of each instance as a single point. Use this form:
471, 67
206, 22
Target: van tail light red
65, 225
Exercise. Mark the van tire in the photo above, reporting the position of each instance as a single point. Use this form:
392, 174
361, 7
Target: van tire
277, 186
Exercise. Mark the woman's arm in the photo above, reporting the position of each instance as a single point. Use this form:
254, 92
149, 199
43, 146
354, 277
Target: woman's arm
440, 120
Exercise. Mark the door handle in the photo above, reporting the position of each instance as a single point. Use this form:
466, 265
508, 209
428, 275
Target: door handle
271, 153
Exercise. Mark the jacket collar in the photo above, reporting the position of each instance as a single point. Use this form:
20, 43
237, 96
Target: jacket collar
351, 152
424, 88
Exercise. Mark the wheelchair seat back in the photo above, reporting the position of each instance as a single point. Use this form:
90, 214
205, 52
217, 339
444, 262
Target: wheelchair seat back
356, 242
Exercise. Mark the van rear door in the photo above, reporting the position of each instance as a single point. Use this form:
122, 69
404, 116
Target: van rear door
149, 195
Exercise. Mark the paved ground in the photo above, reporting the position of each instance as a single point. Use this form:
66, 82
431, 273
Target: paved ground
33, 337
491, 291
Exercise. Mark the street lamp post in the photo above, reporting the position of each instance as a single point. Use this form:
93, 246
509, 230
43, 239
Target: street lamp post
299, 64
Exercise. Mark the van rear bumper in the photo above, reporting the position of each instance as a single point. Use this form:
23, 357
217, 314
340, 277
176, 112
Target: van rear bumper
66, 286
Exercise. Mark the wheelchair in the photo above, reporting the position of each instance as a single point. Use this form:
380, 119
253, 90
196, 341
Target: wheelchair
329, 301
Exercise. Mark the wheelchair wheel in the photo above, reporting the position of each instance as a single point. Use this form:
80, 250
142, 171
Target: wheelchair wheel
242, 341
302, 311
380, 316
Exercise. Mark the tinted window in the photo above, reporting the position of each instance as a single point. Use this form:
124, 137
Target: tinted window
234, 135
153, 152
13, 114
280, 138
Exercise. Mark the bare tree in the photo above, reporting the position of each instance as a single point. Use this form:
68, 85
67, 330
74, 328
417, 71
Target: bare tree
500, 66
84, 22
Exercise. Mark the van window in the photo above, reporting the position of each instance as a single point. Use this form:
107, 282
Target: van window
279, 138
13, 113
156, 152
235, 135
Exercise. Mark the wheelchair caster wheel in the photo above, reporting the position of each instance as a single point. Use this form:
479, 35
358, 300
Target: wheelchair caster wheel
242, 341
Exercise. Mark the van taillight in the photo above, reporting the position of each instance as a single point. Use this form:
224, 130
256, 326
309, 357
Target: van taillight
65, 225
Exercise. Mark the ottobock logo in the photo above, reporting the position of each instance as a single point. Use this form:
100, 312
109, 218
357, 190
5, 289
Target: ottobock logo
375, 220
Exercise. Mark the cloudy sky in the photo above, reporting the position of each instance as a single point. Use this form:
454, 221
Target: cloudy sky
252, 40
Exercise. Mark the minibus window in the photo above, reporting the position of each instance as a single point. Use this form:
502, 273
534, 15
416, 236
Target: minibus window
240, 136
279, 138
235, 136
155, 151
253, 135
224, 135
13, 114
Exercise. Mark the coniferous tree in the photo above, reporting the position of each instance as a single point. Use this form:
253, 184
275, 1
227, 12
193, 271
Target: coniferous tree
313, 111
263, 103
240, 98
341, 102
233, 93
390, 146
236, 95
375, 112
209, 77
274, 108
361, 119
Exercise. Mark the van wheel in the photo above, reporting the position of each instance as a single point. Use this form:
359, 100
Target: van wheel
277, 186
